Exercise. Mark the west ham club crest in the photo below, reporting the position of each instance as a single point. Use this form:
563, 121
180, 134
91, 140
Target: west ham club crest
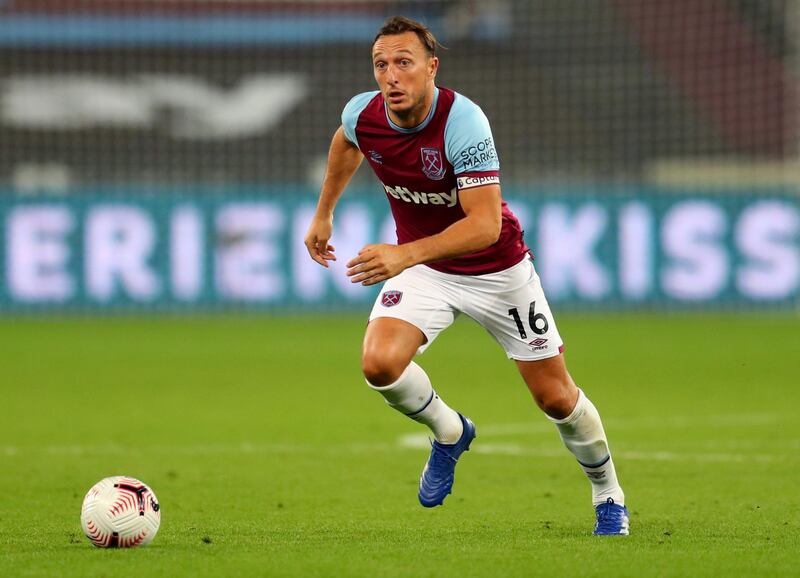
432, 164
391, 298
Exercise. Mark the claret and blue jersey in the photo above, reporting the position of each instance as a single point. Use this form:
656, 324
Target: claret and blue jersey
422, 170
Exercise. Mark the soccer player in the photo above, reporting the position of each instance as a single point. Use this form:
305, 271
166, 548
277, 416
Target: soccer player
459, 250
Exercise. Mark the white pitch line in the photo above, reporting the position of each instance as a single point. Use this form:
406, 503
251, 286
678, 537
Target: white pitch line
649, 422
243, 448
417, 441
414, 442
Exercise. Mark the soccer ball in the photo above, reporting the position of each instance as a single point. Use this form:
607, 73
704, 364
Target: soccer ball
120, 512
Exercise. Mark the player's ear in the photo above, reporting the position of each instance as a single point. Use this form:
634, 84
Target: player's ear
433, 66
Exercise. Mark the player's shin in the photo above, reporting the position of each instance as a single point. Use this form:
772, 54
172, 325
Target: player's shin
583, 434
413, 395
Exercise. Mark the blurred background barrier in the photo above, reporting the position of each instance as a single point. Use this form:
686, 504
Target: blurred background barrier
166, 155
201, 249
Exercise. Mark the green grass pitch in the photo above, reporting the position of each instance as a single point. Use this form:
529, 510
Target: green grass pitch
271, 457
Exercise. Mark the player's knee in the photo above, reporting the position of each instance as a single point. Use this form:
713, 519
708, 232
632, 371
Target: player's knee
555, 398
381, 370
557, 406
551, 386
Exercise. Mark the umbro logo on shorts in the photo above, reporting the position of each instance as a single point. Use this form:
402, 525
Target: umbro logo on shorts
538, 344
391, 298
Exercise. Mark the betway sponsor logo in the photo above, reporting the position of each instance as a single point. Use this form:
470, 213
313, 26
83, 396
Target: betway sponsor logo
470, 182
403, 194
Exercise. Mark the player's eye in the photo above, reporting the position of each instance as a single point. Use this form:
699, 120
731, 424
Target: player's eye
405, 62
380, 65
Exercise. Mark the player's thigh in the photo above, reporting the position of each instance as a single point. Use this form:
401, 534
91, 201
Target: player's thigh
419, 298
516, 313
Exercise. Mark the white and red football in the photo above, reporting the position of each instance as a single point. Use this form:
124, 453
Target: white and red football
120, 512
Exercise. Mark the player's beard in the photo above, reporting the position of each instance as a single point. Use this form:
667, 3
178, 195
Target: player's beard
407, 114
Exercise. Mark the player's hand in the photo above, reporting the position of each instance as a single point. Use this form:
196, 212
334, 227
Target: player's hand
377, 263
316, 240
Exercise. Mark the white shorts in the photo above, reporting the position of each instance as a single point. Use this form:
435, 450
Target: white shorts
509, 304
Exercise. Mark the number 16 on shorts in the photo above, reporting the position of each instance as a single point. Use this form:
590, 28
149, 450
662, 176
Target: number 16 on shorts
537, 321
533, 327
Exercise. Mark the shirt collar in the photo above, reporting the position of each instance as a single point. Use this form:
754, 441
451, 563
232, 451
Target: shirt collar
421, 125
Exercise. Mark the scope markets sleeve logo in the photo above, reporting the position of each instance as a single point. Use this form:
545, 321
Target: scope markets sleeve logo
481, 155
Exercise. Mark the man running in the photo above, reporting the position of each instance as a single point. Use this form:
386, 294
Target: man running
459, 250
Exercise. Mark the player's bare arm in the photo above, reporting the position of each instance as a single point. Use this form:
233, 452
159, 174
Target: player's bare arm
343, 161
480, 228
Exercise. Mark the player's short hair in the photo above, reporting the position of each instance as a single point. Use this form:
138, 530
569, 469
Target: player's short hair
400, 24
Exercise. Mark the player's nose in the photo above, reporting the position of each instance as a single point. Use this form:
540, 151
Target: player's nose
391, 77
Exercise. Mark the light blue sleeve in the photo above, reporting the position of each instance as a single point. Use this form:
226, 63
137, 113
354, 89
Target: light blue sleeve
468, 141
351, 112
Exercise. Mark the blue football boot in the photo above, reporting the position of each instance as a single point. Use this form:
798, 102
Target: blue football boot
437, 477
612, 519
